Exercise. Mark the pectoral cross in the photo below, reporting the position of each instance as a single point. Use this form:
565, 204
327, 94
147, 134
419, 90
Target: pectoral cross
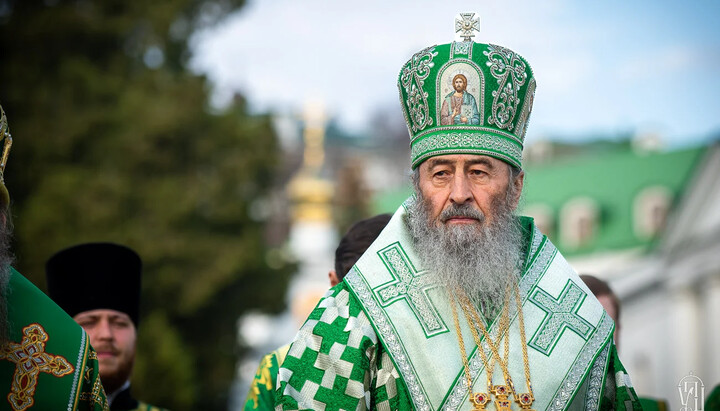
525, 401
478, 401
467, 25
502, 403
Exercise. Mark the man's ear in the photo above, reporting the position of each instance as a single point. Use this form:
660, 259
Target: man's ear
333, 277
518, 183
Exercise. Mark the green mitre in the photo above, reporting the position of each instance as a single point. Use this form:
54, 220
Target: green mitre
487, 114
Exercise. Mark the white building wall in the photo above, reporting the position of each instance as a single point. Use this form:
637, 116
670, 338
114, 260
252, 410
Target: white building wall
711, 325
642, 349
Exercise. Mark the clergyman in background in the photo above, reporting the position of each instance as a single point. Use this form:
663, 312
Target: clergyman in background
611, 303
353, 244
98, 284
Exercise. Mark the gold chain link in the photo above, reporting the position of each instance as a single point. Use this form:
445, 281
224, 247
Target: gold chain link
523, 341
475, 321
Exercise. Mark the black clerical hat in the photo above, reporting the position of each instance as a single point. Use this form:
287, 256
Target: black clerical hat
95, 276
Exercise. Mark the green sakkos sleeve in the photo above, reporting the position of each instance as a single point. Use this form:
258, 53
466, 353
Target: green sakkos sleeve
47, 362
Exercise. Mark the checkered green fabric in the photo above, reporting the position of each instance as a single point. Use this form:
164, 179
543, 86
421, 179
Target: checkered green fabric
336, 362
625, 397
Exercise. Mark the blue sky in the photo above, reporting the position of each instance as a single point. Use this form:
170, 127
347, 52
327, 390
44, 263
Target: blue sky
601, 67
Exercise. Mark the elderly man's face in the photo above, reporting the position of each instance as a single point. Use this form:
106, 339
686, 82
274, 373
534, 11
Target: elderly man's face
112, 334
476, 180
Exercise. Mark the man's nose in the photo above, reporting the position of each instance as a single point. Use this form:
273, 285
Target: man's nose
103, 330
460, 189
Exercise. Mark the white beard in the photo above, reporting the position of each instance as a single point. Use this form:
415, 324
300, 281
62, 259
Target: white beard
481, 259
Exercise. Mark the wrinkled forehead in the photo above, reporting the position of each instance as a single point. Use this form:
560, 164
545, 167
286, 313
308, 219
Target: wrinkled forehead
463, 160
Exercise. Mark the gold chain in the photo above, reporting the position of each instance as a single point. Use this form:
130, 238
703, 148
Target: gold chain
525, 400
501, 391
472, 317
480, 399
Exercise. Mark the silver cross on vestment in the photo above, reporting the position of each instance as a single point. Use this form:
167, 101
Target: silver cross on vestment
467, 25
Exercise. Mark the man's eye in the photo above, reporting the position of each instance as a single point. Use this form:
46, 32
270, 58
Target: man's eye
441, 173
477, 172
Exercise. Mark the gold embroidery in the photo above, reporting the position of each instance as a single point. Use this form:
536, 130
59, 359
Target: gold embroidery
263, 377
88, 373
95, 396
30, 360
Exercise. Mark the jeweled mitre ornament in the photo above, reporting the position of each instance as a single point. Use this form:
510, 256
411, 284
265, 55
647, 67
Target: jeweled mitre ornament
467, 98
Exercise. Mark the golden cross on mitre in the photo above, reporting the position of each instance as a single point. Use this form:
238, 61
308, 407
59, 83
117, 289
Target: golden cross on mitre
467, 25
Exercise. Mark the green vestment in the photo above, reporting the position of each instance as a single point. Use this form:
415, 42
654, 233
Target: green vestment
384, 339
652, 404
712, 403
262, 389
48, 363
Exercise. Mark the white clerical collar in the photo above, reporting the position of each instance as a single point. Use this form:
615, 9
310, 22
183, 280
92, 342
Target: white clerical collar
111, 397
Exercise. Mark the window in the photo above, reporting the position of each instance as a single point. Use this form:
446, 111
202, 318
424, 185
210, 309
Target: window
544, 219
650, 211
579, 222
